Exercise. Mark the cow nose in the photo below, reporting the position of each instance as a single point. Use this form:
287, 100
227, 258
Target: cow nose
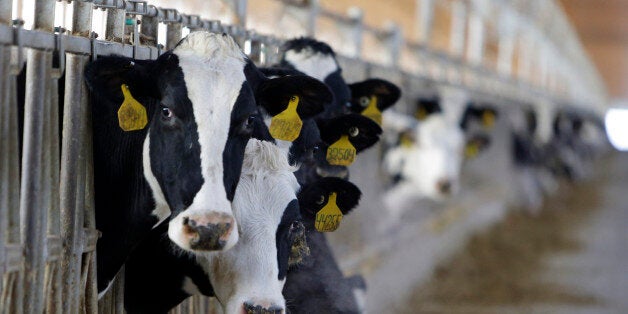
251, 308
208, 232
444, 186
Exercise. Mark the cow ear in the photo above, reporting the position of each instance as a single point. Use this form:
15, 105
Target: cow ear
314, 196
476, 144
362, 92
106, 75
275, 94
362, 132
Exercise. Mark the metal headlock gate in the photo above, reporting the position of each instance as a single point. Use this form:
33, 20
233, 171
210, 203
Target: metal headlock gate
47, 224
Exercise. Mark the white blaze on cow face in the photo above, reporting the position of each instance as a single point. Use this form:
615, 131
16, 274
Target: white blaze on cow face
212, 67
249, 272
316, 64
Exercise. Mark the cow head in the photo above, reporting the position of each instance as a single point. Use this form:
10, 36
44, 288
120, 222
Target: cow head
340, 140
372, 96
316, 195
249, 277
317, 59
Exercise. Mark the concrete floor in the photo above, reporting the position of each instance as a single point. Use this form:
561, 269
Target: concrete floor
581, 265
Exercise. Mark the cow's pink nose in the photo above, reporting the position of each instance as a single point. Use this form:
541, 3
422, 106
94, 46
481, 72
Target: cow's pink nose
208, 232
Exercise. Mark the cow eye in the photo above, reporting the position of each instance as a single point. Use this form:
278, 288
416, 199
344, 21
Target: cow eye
354, 131
321, 200
250, 121
315, 149
364, 101
166, 112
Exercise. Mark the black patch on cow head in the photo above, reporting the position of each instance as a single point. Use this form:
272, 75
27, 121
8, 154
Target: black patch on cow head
476, 112
314, 196
301, 43
386, 92
274, 94
361, 131
426, 107
291, 244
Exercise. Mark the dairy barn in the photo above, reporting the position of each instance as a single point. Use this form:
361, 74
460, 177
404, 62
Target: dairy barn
313, 156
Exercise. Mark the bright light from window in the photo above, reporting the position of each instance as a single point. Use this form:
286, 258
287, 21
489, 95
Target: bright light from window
616, 121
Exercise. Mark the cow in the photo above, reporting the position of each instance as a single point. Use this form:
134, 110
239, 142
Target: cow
169, 140
426, 160
317, 59
317, 285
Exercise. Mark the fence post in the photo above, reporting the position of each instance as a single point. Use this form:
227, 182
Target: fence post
393, 42
33, 214
172, 19
116, 19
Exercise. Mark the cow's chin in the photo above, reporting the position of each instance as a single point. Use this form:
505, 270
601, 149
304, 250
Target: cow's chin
203, 232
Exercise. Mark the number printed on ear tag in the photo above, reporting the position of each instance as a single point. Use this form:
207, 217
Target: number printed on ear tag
287, 124
329, 217
341, 153
131, 115
372, 112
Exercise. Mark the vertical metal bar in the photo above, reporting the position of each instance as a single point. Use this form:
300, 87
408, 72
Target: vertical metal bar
475, 43
116, 19
5, 11
44, 15
357, 33
73, 180
149, 30
256, 47
33, 216
173, 35
506, 46
5, 134
313, 12
424, 20
458, 28
82, 18
240, 12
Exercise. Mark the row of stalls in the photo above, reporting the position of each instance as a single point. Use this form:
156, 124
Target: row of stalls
518, 63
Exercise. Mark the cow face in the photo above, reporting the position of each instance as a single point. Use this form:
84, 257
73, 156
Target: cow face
314, 196
201, 111
371, 97
322, 146
249, 277
318, 60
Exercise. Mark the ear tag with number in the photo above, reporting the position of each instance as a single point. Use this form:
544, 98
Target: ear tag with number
132, 115
471, 150
372, 112
488, 119
341, 153
329, 217
287, 124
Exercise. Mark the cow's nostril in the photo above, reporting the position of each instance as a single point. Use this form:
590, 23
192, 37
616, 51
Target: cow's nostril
444, 186
209, 233
185, 221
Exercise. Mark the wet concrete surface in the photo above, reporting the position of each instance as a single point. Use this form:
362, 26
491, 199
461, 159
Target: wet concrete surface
572, 257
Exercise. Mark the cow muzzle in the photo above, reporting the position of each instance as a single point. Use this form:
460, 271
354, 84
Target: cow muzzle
213, 231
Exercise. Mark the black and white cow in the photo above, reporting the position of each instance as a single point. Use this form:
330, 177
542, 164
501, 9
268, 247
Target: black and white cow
426, 160
317, 285
199, 106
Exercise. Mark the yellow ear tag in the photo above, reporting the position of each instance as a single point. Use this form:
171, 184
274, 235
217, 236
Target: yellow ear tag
471, 150
287, 124
131, 115
329, 217
372, 112
421, 114
488, 119
341, 153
